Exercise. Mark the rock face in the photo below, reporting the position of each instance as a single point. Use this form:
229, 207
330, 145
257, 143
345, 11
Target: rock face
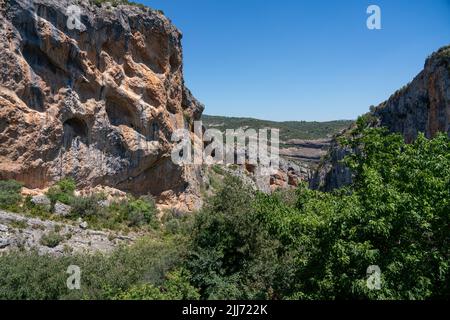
424, 104
41, 200
62, 209
332, 173
98, 103
421, 106
288, 176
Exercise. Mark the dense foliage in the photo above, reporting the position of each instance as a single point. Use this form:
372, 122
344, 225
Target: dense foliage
28, 275
302, 245
395, 216
63, 191
176, 286
10, 194
126, 213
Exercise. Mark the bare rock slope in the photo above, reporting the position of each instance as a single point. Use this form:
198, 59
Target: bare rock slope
98, 103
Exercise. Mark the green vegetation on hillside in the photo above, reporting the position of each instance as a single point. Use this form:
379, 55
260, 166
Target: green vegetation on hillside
10, 195
28, 275
125, 214
303, 245
63, 191
288, 129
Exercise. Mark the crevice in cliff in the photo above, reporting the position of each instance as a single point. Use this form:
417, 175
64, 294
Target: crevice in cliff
33, 97
75, 132
154, 133
121, 115
174, 62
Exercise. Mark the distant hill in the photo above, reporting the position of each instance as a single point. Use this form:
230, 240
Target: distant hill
288, 129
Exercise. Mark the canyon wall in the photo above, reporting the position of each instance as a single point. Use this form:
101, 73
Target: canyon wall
421, 106
98, 102
424, 104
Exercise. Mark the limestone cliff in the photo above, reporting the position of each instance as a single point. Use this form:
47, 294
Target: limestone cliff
424, 104
98, 102
421, 106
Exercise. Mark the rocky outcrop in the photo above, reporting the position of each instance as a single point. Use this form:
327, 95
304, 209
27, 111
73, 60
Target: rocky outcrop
331, 173
421, 106
424, 104
305, 151
20, 232
288, 176
98, 102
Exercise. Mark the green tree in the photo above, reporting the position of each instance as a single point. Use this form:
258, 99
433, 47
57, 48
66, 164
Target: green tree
395, 216
10, 196
175, 287
231, 254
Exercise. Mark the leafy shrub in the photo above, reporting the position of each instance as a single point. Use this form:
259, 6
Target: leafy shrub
231, 255
10, 196
134, 212
175, 287
86, 206
217, 169
51, 239
215, 181
141, 211
142, 292
177, 223
35, 210
67, 185
62, 191
122, 214
28, 275
19, 224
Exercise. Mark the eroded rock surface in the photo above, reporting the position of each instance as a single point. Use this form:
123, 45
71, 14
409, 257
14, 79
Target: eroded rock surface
424, 104
332, 173
98, 103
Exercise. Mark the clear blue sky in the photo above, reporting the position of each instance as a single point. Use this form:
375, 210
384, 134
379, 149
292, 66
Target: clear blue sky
302, 60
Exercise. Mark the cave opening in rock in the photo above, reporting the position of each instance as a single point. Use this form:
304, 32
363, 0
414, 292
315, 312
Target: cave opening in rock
75, 132
33, 98
45, 68
120, 115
